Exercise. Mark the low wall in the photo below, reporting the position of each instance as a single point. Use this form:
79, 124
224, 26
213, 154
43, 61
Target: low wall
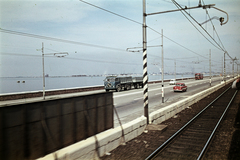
32, 94
165, 113
29, 130
102, 143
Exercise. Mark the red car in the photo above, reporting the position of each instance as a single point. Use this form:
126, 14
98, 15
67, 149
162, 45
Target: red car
180, 87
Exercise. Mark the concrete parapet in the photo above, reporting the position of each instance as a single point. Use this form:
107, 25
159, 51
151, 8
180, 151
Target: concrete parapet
165, 113
100, 144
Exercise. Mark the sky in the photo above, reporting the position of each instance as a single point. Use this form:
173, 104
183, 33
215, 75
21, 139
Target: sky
105, 37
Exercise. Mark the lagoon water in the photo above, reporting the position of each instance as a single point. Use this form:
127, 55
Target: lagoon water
13, 85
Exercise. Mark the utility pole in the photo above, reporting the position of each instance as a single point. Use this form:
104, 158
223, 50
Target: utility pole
222, 68
210, 72
43, 70
162, 71
145, 74
233, 68
62, 54
175, 69
224, 76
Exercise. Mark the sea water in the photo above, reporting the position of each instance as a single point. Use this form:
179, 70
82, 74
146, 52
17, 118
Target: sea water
26, 84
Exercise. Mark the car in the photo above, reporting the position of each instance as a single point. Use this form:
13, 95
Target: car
181, 87
172, 82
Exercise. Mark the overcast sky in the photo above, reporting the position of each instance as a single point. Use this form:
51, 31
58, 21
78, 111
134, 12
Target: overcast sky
97, 41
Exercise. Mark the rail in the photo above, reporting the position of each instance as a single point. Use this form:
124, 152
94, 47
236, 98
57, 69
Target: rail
181, 130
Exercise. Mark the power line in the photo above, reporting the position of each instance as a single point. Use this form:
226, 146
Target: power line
111, 12
182, 10
214, 27
73, 58
140, 24
56, 39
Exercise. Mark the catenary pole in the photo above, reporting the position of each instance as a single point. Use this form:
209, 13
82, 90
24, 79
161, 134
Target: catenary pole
210, 71
224, 68
43, 71
145, 74
162, 71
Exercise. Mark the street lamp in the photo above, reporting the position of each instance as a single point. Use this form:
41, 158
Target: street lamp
61, 54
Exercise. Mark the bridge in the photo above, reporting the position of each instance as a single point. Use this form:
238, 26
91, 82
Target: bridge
119, 119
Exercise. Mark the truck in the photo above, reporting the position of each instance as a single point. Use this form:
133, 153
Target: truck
198, 76
122, 83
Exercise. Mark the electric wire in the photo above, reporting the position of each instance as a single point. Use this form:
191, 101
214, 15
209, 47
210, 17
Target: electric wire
216, 32
182, 11
110, 12
71, 58
56, 39
141, 24
213, 26
91, 45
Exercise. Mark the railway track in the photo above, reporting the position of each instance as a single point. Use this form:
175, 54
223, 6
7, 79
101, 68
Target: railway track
192, 140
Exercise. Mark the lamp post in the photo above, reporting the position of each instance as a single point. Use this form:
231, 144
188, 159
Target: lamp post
63, 54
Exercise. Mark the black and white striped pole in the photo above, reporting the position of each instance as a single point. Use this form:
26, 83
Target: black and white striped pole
162, 72
145, 74
210, 70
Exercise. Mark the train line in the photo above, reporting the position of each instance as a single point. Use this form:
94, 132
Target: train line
192, 140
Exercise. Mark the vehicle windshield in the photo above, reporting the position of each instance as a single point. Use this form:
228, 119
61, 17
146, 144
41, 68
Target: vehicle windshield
109, 79
178, 84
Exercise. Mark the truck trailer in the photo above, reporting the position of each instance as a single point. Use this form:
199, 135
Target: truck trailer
122, 83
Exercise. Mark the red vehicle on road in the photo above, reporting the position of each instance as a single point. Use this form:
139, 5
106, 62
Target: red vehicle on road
180, 87
198, 76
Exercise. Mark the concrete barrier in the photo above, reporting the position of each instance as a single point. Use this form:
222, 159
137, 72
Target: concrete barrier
102, 143
99, 145
165, 113
32, 129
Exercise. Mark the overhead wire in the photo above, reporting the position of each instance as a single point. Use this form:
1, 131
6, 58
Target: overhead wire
213, 26
71, 58
57, 39
91, 45
182, 11
141, 24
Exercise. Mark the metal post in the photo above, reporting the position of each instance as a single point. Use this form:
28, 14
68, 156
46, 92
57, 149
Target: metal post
175, 69
43, 71
210, 72
162, 72
233, 68
224, 76
222, 68
145, 74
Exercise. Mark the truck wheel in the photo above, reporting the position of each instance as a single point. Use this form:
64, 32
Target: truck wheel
137, 86
129, 87
118, 88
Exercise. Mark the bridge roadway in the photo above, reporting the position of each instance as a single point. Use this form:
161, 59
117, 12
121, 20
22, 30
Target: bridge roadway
129, 104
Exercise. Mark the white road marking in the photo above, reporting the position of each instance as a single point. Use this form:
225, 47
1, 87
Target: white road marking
138, 98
